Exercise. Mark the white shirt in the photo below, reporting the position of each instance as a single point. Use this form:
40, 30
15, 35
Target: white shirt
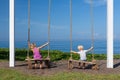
83, 53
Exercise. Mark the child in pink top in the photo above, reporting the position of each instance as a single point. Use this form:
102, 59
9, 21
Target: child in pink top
36, 53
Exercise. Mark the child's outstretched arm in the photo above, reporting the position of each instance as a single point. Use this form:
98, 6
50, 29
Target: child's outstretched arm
90, 49
43, 45
73, 52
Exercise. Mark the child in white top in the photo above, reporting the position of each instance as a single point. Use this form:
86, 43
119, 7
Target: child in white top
82, 52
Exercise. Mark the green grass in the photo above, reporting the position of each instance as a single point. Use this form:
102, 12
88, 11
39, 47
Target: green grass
55, 55
11, 74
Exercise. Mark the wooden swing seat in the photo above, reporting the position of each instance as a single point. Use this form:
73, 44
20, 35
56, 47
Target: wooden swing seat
44, 62
31, 59
93, 64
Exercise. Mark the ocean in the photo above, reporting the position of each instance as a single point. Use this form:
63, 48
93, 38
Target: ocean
64, 45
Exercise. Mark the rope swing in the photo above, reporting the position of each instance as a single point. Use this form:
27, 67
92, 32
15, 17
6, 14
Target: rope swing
49, 8
70, 29
28, 27
92, 27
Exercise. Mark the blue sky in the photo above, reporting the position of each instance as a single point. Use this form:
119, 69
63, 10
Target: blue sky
60, 19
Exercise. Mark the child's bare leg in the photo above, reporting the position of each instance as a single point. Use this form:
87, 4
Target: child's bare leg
35, 64
83, 66
79, 64
40, 64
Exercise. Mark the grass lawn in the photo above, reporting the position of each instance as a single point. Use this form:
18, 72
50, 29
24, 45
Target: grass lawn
11, 74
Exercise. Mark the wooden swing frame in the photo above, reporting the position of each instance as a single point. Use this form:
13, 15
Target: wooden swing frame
71, 62
92, 64
46, 61
43, 62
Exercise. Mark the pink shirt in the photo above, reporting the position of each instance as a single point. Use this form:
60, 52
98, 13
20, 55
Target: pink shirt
36, 53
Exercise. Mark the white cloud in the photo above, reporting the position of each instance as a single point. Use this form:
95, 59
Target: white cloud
24, 23
116, 36
38, 24
21, 22
59, 27
96, 3
99, 36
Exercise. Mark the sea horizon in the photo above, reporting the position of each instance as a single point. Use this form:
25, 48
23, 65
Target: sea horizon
100, 46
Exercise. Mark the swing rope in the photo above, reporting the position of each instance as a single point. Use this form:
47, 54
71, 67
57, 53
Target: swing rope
28, 27
92, 27
49, 7
48, 28
71, 28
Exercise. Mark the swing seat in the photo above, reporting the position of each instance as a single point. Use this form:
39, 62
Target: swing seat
37, 59
45, 62
93, 64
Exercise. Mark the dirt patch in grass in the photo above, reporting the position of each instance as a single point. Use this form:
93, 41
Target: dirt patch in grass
62, 66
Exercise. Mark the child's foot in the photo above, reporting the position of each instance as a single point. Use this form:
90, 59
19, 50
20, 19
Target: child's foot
40, 66
83, 67
35, 66
79, 67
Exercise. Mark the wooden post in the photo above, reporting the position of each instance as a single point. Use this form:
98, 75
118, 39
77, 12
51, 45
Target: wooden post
11, 34
109, 33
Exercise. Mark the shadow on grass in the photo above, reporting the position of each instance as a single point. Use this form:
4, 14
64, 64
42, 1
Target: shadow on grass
116, 65
52, 65
25, 64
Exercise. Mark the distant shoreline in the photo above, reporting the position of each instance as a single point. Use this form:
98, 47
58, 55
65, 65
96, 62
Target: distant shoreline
100, 46
7, 49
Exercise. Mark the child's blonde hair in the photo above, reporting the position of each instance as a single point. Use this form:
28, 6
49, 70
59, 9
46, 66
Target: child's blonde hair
80, 47
33, 44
